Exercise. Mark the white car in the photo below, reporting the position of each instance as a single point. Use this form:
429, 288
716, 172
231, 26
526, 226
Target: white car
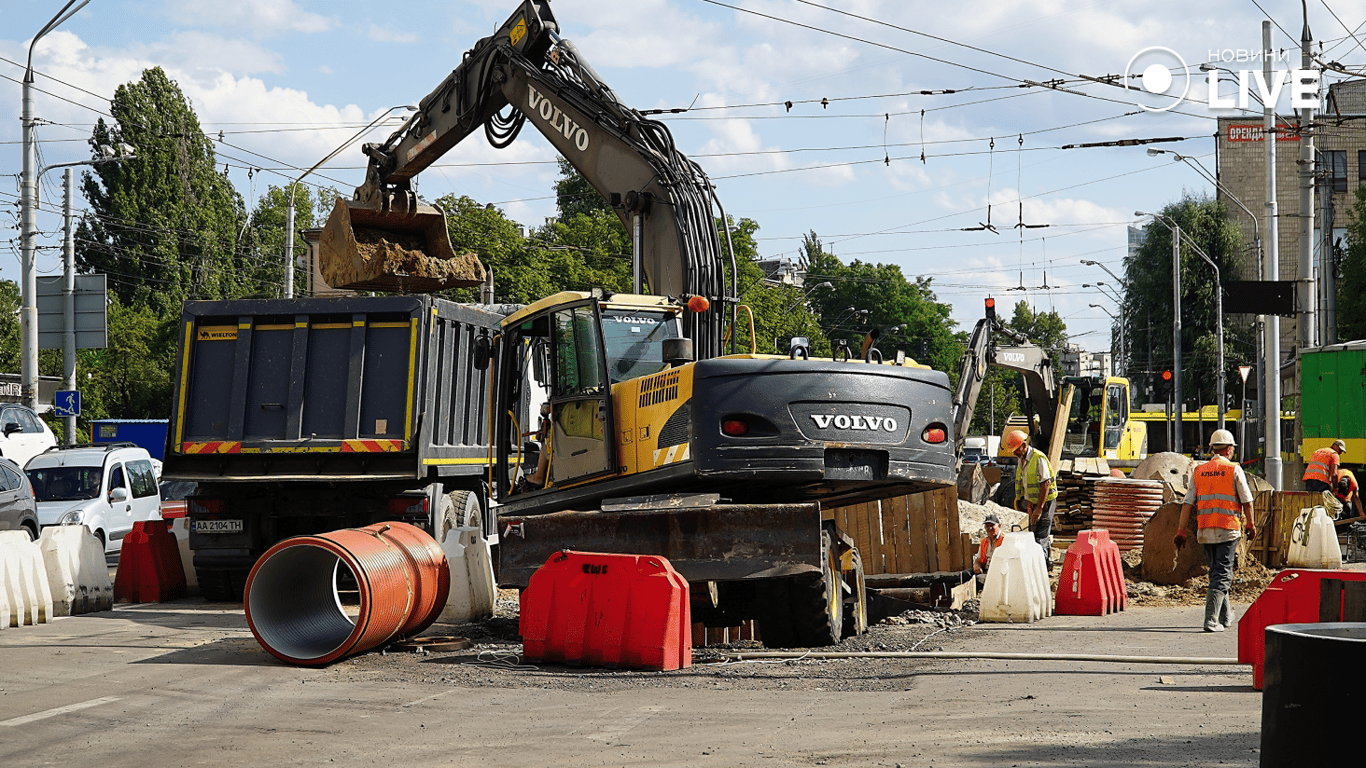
106, 488
23, 434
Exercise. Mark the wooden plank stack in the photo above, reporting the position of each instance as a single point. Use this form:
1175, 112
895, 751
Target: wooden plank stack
907, 534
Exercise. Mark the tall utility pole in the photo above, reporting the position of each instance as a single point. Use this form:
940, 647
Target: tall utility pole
69, 302
1271, 327
28, 228
1176, 335
1309, 289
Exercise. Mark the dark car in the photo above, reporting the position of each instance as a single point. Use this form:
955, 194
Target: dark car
173, 493
18, 507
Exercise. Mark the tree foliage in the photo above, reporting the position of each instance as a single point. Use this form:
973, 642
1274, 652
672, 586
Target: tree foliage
262, 269
1351, 305
1147, 310
166, 225
864, 297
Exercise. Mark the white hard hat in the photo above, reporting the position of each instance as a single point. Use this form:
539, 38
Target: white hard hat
1221, 437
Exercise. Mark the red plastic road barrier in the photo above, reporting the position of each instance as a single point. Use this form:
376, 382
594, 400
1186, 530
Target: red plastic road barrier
1291, 598
149, 565
607, 610
1092, 582
292, 601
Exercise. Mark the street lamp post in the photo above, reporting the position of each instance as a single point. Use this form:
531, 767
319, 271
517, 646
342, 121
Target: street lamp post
293, 185
1218, 303
1109, 293
1122, 346
28, 204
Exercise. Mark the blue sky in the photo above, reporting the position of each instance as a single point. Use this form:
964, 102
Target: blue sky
286, 81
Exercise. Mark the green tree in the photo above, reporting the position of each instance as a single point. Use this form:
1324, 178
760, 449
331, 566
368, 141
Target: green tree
1147, 307
262, 270
864, 297
1352, 288
167, 225
574, 195
131, 378
1043, 329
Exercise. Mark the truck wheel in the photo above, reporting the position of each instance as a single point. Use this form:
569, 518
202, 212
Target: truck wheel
817, 600
855, 603
458, 509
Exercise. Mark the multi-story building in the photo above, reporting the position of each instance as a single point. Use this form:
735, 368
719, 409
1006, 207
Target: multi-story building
1339, 135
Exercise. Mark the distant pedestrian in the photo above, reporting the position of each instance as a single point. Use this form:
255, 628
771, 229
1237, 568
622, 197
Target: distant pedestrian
1349, 493
1322, 472
992, 537
1222, 498
1035, 491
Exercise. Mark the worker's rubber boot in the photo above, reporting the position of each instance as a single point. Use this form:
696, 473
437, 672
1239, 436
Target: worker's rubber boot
1225, 611
1213, 600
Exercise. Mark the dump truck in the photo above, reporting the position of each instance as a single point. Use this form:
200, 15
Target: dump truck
302, 416
613, 422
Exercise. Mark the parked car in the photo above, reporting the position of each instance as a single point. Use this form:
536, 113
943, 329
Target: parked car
23, 434
18, 508
107, 488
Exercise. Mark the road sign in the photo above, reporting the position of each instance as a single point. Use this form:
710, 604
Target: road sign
67, 402
91, 312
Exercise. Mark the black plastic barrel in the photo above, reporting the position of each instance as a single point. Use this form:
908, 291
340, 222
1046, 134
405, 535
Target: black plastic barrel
1313, 691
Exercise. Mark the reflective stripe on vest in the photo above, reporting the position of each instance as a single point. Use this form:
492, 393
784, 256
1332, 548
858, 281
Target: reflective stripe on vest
1216, 494
1322, 466
1027, 482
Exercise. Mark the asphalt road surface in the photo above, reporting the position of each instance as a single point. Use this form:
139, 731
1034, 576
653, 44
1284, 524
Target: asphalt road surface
185, 683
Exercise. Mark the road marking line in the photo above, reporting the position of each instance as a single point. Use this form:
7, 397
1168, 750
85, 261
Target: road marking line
26, 719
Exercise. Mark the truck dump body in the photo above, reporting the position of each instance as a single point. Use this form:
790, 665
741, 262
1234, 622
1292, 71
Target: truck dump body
329, 389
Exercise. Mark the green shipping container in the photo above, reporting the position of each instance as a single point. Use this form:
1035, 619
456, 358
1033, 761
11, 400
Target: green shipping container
1333, 399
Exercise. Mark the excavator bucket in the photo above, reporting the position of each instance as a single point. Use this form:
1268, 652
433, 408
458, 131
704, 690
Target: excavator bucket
409, 252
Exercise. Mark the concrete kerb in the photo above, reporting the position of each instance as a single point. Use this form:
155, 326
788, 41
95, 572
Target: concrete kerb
24, 581
76, 571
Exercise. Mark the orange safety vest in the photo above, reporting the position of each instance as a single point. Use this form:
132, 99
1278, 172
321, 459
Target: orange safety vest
1216, 494
987, 547
1323, 466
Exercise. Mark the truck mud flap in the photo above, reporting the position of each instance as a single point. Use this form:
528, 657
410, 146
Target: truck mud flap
726, 542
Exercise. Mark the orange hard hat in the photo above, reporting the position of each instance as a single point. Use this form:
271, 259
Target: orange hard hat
1014, 440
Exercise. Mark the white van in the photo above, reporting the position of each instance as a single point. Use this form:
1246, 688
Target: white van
974, 450
106, 488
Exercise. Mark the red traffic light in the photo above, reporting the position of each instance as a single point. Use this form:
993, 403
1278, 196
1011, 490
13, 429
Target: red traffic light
1166, 375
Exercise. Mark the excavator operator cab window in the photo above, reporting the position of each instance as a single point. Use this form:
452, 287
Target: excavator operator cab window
1116, 413
635, 341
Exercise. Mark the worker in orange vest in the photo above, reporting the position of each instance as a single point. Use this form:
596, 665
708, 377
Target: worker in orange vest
1322, 472
1220, 495
1349, 493
991, 539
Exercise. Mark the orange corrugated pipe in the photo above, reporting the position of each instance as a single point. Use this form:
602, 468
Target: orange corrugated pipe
295, 612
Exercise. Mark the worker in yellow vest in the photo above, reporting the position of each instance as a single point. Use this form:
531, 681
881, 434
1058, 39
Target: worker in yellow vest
1322, 472
1035, 491
1223, 502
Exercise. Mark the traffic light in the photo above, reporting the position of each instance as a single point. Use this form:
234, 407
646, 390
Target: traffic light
991, 309
1166, 383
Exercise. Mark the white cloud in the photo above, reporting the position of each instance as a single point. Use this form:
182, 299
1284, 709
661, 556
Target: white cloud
260, 18
387, 34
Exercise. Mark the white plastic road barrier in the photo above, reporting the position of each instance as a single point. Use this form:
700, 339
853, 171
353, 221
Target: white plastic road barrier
1017, 582
77, 572
1314, 541
24, 580
472, 587
180, 526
